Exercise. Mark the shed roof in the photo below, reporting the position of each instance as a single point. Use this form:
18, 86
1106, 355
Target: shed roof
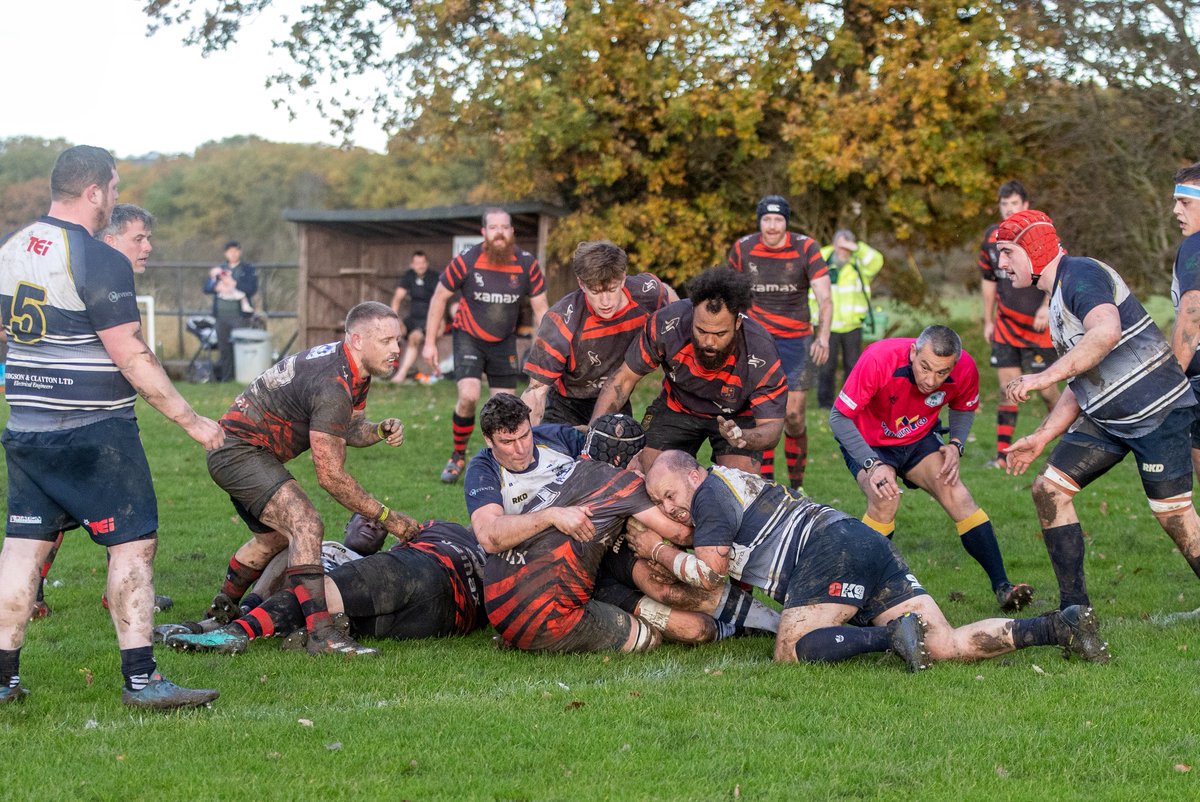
418, 224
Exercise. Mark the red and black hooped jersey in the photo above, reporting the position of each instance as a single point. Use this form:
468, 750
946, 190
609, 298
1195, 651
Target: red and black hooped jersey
1015, 308
576, 350
454, 546
317, 390
535, 593
751, 382
780, 278
491, 293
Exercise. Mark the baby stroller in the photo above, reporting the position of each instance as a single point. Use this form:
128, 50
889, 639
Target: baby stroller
202, 368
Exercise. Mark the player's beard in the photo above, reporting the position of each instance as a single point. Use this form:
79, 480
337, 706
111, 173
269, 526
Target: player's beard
502, 251
715, 360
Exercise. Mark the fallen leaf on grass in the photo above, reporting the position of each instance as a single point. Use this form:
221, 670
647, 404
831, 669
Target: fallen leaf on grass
88, 676
304, 722
1001, 772
333, 747
956, 596
564, 686
737, 791
574, 704
1104, 508
274, 755
1037, 669
1182, 768
120, 757
91, 724
979, 677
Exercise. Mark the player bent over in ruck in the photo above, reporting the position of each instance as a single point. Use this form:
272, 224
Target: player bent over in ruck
844, 588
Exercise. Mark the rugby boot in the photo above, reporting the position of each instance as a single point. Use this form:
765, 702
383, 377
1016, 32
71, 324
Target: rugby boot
295, 641
1078, 633
160, 602
162, 694
1012, 597
223, 609
454, 468
14, 694
164, 631
40, 610
906, 636
230, 640
330, 641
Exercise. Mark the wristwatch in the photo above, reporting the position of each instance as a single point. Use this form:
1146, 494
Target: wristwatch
960, 445
869, 463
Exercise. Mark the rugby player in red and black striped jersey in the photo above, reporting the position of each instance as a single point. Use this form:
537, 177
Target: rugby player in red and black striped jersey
1015, 322
492, 278
782, 265
583, 338
722, 381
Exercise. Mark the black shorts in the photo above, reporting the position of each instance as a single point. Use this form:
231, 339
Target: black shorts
400, 594
793, 359
902, 458
414, 323
1029, 360
850, 563
614, 583
473, 358
251, 475
573, 411
95, 476
666, 428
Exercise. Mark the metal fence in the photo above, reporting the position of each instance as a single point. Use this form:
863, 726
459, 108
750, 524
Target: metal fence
177, 289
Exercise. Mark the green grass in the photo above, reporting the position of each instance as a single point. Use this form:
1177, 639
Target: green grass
457, 718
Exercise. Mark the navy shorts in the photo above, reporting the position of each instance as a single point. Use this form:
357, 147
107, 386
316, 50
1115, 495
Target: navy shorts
666, 428
473, 358
401, 594
251, 475
94, 476
1029, 360
1196, 422
902, 458
850, 563
793, 359
1164, 459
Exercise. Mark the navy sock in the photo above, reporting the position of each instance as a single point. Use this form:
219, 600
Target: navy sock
137, 666
980, 542
1065, 546
1033, 632
10, 667
833, 644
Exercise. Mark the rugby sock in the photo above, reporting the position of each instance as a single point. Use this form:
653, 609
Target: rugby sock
280, 612
308, 583
137, 666
977, 536
238, 579
767, 468
1065, 546
10, 665
795, 451
50, 560
250, 601
739, 611
1037, 631
885, 529
462, 428
833, 644
1006, 423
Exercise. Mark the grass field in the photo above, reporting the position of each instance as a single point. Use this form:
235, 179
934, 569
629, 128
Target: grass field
458, 719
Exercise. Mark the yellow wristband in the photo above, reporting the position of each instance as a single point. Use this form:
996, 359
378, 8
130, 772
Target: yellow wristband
383, 513
379, 431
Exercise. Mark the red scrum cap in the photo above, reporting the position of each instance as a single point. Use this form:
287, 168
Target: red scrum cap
1033, 232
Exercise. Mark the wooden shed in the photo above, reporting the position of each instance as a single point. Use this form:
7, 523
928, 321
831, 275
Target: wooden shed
348, 256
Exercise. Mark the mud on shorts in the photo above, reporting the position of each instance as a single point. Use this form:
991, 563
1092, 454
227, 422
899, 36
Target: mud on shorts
903, 458
666, 428
94, 476
793, 359
401, 594
573, 411
1029, 360
1164, 460
474, 357
251, 475
850, 563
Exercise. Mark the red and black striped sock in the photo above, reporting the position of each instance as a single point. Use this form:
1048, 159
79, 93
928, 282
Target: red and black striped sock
308, 583
462, 428
795, 451
238, 579
280, 613
767, 469
1006, 423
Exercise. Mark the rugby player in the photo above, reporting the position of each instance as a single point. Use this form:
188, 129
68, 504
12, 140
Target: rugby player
782, 266
1125, 392
417, 285
493, 277
1185, 288
1015, 322
583, 338
885, 419
315, 399
722, 381
845, 589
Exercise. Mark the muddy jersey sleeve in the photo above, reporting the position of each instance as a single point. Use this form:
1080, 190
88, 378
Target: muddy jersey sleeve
107, 289
1085, 287
715, 514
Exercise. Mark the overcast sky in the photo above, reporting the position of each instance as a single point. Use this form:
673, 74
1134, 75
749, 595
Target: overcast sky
85, 71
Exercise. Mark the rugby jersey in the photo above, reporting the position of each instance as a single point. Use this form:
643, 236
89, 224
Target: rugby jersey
1015, 307
556, 446
780, 278
1186, 278
491, 292
455, 548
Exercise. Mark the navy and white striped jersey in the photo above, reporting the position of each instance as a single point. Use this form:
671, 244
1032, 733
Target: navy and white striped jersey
58, 287
767, 526
1139, 382
556, 446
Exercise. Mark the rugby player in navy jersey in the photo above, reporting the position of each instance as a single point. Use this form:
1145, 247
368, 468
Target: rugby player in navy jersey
76, 364
782, 266
722, 379
1125, 392
583, 338
885, 418
1015, 322
492, 278
844, 588
315, 399
1185, 288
